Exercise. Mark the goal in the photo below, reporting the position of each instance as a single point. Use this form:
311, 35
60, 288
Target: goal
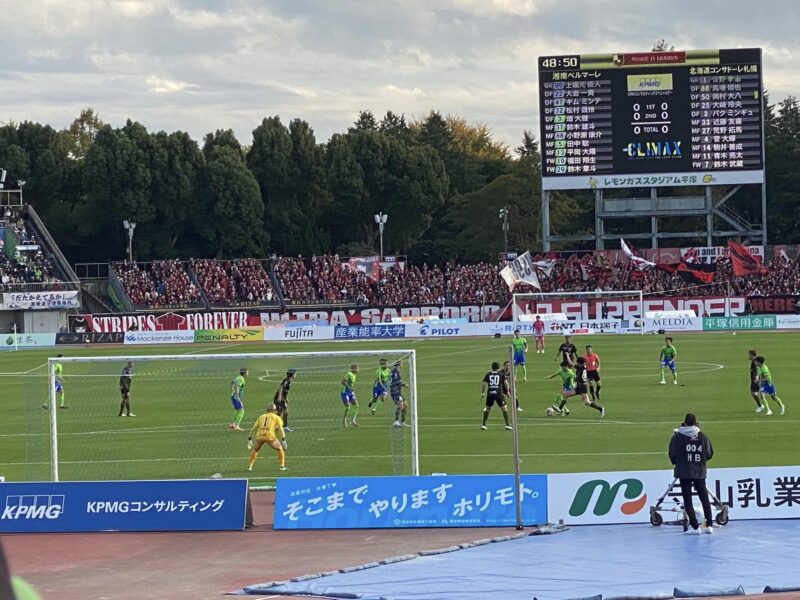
182, 411
580, 312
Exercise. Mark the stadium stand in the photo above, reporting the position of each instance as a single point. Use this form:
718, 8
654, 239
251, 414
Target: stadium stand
26, 263
234, 282
328, 279
160, 283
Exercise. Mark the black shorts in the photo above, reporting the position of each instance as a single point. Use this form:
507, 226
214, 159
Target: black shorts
753, 387
593, 376
580, 389
280, 405
491, 400
125, 392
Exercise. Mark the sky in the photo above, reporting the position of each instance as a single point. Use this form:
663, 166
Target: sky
201, 65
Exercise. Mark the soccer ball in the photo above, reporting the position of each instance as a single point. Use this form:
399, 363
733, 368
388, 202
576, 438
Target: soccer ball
549, 411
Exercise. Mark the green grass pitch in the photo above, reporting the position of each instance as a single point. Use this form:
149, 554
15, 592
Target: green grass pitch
181, 412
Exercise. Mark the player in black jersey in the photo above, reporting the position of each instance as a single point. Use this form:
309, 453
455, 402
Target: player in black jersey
125, 380
495, 386
581, 388
754, 391
567, 350
281, 398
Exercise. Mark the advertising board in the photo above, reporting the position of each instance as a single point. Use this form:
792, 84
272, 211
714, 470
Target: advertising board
625, 497
405, 502
170, 505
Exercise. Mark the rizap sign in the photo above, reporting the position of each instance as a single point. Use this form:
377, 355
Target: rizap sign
32, 507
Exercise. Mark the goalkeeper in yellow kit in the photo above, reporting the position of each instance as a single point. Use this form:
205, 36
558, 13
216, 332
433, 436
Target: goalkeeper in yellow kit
265, 431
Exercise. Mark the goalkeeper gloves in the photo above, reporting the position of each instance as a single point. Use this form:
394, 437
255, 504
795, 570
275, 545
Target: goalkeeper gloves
249, 443
284, 445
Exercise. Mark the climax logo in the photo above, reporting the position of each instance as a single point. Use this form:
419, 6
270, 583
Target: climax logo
633, 491
33, 507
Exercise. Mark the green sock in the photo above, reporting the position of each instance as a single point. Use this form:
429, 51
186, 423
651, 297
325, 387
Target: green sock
355, 411
378, 404
239, 416
778, 400
525, 371
62, 398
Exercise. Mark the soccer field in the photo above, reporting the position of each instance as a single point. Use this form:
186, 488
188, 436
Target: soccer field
180, 428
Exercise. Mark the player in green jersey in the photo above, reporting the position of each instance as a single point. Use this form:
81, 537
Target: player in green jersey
58, 373
348, 396
766, 386
667, 359
237, 399
520, 345
567, 388
380, 387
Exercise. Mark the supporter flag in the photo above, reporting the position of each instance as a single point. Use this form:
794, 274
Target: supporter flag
743, 262
369, 265
697, 273
545, 266
640, 263
785, 257
691, 255
520, 271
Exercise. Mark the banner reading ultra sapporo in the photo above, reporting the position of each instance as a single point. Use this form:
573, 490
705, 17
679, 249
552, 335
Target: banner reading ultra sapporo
626, 496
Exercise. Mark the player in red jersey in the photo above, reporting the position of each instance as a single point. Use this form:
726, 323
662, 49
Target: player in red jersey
538, 334
593, 372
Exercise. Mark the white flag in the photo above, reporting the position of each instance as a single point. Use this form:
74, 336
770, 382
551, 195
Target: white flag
545, 266
520, 271
640, 263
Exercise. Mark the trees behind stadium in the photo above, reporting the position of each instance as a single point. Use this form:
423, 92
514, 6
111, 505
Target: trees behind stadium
442, 180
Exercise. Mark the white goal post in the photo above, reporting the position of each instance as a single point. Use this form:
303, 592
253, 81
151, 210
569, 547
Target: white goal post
180, 383
592, 307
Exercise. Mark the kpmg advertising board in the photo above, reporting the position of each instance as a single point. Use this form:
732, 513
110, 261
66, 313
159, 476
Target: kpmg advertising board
236, 319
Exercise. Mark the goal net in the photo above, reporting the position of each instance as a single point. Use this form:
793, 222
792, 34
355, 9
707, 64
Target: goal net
580, 312
183, 414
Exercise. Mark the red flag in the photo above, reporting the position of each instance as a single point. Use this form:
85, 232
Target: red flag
572, 258
668, 267
743, 262
696, 272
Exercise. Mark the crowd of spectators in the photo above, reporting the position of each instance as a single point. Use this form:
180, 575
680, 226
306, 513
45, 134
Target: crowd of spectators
329, 280
29, 263
293, 278
160, 283
234, 281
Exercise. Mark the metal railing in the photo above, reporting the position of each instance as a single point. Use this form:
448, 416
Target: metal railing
92, 270
11, 198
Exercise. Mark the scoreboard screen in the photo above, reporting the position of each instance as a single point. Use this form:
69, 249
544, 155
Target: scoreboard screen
651, 119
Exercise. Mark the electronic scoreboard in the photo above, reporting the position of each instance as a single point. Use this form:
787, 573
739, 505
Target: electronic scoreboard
651, 119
